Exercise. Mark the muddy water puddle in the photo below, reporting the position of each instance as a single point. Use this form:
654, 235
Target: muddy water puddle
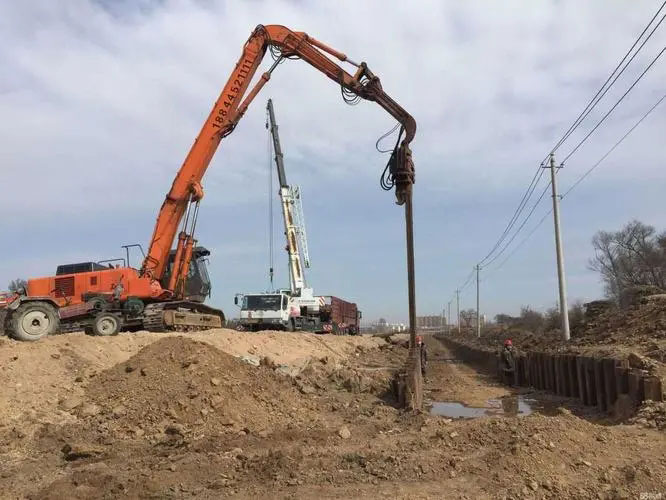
509, 406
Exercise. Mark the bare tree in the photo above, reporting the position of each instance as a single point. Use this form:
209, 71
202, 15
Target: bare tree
531, 319
468, 317
505, 319
17, 285
576, 315
634, 256
553, 318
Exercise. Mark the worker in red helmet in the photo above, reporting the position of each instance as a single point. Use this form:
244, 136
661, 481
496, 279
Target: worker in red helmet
508, 363
424, 353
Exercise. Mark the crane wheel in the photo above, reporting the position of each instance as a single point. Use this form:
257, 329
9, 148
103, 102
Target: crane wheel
106, 324
33, 320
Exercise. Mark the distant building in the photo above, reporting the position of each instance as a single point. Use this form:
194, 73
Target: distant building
383, 326
430, 322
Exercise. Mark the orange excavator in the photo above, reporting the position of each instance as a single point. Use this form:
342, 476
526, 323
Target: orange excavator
160, 296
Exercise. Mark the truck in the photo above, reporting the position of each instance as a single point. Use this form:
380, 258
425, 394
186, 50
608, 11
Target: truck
339, 316
278, 311
295, 308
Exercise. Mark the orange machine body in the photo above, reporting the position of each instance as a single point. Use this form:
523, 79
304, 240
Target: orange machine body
72, 289
186, 192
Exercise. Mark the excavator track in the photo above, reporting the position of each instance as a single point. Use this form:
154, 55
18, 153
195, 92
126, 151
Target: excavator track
182, 316
153, 318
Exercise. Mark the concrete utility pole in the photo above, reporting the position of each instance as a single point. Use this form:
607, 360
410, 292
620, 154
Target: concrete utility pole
478, 314
448, 319
458, 307
564, 310
441, 324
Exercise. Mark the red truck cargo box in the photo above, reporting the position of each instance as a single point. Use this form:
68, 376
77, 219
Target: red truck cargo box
344, 315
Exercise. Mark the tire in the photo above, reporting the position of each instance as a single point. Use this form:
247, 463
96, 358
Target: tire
33, 320
106, 324
4, 323
98, 304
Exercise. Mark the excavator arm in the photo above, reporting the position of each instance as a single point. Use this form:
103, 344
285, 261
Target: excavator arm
186, 191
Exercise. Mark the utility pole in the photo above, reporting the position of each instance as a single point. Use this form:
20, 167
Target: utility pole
448, 319
443, 319
564, 310
478, 314
458, 307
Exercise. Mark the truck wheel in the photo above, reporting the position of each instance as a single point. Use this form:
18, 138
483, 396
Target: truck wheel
106, 324
97, 304
33, 320
4, 323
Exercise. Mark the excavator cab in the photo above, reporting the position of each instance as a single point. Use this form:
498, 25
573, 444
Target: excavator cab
198, 286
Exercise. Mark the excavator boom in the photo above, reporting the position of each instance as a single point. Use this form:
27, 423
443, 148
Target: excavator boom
228, 110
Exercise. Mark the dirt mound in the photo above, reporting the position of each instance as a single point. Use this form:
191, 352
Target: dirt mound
369, 371
640, 325
177, 385
494, 338
640, 328
337, 442
652, 415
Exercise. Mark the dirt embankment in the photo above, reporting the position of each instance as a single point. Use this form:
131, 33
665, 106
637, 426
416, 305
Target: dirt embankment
636, 333
37, 376
180, 418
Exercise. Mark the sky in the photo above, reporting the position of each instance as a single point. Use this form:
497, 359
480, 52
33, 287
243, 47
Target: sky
101, 100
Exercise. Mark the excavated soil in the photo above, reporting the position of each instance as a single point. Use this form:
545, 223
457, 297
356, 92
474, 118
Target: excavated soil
636, 333
181, 418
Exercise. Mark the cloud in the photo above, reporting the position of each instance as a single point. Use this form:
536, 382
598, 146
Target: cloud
102, 100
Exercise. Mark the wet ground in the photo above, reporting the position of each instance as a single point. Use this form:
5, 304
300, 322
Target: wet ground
510, 406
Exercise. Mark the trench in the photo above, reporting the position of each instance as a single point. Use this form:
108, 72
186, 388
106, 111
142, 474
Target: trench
607, 385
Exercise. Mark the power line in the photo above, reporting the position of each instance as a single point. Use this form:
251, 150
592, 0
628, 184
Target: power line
612, 78
610, 81
578, 181
522, 242
464, 285
614, 106
519, 210
589, 171
615, 79
543, 193
606, 86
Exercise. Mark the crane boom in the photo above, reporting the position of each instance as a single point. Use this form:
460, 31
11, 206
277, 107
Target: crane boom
186, 190
292, 212
279, 157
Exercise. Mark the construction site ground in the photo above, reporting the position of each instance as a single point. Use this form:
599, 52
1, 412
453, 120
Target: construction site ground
149, 415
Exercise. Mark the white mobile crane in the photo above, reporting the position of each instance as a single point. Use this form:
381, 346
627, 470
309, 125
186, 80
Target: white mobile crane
295, 308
